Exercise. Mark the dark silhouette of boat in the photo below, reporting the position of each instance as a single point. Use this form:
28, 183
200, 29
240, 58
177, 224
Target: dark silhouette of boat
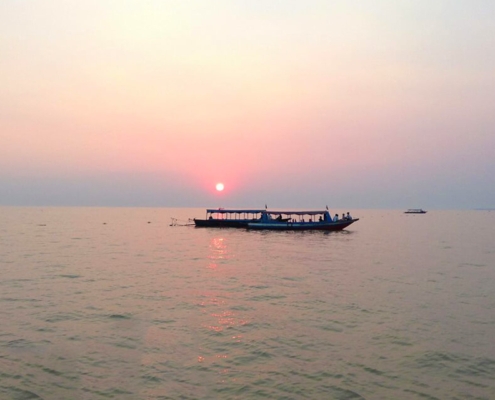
222, 218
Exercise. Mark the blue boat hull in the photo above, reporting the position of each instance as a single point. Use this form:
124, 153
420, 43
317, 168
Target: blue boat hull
303, 226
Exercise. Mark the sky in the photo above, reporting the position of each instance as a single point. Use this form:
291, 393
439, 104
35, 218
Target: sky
354, 104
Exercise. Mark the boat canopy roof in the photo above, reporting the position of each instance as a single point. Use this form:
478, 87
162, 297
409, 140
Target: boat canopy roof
296, 212
250, 211
224, 211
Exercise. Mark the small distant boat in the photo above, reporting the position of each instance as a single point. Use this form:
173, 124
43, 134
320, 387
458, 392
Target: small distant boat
415, 211
273, 220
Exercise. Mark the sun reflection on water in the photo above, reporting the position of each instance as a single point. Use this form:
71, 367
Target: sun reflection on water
219, 249
220, 319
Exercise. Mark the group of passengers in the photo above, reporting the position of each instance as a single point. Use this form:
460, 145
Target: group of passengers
336, 218
344, 217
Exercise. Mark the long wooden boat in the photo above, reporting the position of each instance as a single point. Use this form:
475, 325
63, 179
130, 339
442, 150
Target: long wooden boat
273, 220
301, 221
303, 226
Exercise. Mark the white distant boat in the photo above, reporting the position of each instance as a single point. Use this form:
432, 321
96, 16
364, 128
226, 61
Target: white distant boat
415, 211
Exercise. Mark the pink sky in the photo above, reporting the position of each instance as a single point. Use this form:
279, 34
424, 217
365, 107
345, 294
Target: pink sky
359, 104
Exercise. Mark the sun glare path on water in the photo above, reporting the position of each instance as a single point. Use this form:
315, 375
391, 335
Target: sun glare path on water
219, 187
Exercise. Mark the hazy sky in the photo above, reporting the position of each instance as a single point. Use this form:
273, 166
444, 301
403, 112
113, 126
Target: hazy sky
355, 104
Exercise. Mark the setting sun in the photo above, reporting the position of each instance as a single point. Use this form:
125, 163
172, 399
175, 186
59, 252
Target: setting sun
219, 187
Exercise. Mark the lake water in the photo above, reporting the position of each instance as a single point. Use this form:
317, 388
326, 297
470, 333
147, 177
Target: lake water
99, 303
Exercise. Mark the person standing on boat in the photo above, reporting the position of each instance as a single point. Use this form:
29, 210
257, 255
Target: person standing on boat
336, 218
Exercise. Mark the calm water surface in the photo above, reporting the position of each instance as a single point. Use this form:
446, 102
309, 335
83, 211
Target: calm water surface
115, 303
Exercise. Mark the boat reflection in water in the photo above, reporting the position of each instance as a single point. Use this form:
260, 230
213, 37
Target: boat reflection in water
273, 220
